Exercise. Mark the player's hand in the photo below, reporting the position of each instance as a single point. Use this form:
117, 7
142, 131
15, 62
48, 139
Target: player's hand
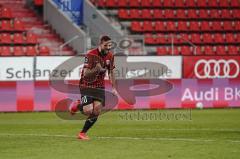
101, 70
114, 91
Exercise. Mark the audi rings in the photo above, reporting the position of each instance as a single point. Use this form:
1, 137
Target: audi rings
221, 68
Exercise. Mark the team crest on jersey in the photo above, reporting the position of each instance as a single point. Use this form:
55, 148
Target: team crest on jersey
86, 60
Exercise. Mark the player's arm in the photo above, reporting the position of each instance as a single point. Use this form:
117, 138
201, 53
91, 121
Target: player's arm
111, 75
91, 66
112, 78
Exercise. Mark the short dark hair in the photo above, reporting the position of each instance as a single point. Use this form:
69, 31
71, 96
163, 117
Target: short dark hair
105, 38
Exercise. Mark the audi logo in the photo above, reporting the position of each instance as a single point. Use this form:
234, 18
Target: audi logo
216, 69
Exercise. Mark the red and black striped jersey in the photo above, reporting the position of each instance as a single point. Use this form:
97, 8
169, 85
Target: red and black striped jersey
91, 59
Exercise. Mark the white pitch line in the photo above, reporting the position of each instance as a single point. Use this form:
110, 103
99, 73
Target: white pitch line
36, 135
125, 138
160, 139
191, 129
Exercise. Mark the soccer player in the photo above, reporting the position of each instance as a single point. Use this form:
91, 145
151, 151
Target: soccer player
97, 62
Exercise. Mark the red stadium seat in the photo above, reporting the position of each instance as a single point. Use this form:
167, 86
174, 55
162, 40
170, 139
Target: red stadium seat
218, 38
6, 51
6, 25
163, 50
190, 3
229, 38
214, 14
234, 3
31, 38
149, 39
6, 13
227, 26
182, 26
157, 3
179, 3
18, 38
194, 26
136, 26
203, 14
31, 51
204, 25
181, 50
146, 3
237, 26
168, 3
18, 51
223, 3
162, 39
177, 39
236, 13
199, 50
180, 14
195, 38
168, 13
147, 26
44, 51
6, 38
191, 13
177, 50
186, 50
123, 14
202, 3
134, 14
212, 3
146, 14
216, 26
38, 2
101, 3
208, 50
134, 3
238, 38
221, 50
170, 26
110, 3
157, 14
18, 25
159, 26
232, 50
207, 38
122, 3
225, 13
181, 38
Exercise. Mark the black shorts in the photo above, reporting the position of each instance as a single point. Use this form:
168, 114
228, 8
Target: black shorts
89, 95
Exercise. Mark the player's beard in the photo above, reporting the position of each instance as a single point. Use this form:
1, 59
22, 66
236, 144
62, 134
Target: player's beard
105, 52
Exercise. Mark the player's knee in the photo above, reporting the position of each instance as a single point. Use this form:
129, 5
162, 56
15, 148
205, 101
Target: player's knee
97, 109
88, 109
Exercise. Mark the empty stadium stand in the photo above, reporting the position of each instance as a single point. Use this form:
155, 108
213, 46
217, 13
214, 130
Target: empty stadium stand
23, 33
202, 27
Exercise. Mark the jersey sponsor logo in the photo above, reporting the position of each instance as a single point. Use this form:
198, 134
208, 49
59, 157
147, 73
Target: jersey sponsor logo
86, 60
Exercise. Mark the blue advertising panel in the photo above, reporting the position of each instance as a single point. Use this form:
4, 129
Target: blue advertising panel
73, 8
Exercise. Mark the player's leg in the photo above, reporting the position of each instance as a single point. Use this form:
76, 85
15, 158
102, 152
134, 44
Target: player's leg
79, 106
86, 107
93, 111
97, 107
75, 107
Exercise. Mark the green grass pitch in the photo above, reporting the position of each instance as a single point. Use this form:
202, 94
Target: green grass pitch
199, 134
